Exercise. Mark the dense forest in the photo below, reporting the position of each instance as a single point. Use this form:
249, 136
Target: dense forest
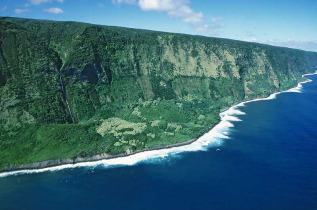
71, 90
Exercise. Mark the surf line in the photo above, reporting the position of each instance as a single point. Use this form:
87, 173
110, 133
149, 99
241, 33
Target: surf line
212, 138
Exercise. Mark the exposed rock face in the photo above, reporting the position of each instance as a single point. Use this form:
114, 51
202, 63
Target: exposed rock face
51, 163
37, 165
134, 76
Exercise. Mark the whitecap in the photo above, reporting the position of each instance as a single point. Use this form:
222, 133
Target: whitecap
212, 138
234, 111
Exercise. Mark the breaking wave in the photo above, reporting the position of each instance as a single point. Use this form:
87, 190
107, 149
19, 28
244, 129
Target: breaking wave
213, 138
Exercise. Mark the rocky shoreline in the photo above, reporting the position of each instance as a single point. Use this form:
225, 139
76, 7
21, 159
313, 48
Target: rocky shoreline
104, 156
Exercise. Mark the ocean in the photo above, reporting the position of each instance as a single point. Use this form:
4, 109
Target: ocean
263, 155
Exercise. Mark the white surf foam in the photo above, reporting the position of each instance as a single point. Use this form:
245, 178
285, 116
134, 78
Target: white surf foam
299, 87
213, 138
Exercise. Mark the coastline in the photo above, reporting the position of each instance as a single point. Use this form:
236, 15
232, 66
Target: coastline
103, 156
198, 144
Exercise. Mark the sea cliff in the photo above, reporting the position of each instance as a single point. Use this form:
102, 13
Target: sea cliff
70, 91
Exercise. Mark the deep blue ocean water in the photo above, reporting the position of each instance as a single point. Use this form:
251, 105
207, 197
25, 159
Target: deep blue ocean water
269, 162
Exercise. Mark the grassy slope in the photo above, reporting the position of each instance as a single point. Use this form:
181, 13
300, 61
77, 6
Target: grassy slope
126, 88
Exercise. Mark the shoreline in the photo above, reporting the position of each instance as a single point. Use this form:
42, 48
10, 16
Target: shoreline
227, 115
272, 95
53, 163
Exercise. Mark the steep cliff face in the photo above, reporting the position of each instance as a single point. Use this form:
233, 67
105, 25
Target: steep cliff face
73, 89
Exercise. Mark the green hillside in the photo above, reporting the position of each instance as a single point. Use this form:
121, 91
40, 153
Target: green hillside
72, 90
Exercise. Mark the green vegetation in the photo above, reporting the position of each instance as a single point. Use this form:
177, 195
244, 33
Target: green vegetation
126, 89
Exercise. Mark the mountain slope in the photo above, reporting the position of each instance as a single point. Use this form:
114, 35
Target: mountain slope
74, 90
